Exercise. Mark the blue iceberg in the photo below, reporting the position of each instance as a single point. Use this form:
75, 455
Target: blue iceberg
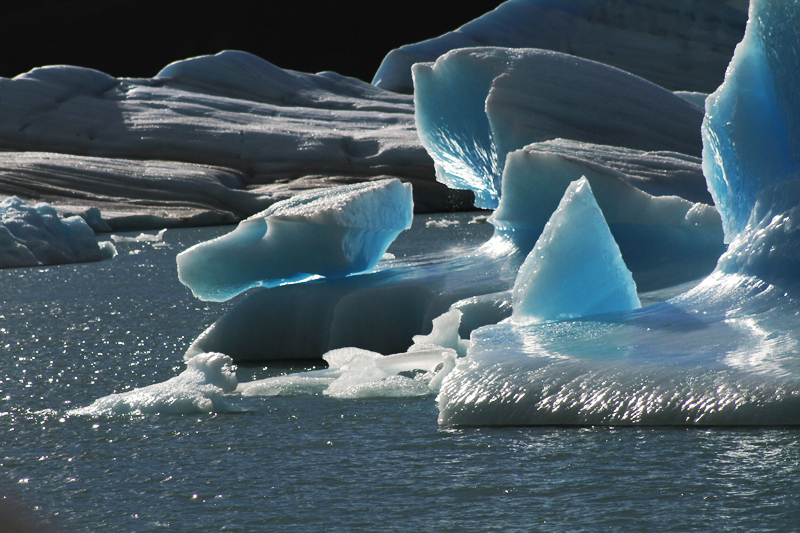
475, 106
726, 352
329, 232
575, 269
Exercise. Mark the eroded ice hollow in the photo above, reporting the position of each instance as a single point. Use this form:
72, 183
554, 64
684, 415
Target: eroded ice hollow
725, 353
381, 310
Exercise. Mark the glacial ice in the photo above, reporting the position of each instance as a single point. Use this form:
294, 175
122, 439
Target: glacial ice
329, 232
678, 44
210, 140
36, 235
474, 106
726, 352
575, 269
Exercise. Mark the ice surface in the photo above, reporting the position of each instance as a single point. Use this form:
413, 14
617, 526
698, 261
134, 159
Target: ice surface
679, 44
723, 353
474, 106
198, 389
575, 269
331, 232
35, 235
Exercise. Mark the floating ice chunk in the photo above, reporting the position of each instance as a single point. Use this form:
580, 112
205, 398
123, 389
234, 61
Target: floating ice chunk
474, 106
357, 373
444, 334
575, 269
330, 232
142, 237
198, 389
680, 44
32, 236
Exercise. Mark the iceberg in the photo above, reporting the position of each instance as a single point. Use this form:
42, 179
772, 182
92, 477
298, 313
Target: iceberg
475, 106
330, 232
575, 269
36, 235
681, 45
725, 352
209, 140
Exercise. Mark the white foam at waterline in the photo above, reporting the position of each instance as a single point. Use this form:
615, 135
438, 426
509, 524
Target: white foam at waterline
142, 237
198, 389
357, 373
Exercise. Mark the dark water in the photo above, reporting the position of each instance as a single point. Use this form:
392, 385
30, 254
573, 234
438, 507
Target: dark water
70, 334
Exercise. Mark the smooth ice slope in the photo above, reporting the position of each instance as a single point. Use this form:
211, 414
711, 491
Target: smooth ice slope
575, 269
679, 44
725, 352
331, 232
35, 235
474, 106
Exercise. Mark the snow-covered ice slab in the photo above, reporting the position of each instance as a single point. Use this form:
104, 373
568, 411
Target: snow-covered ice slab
474, 106
331, 233
35, 235
236, 132
681, 45
575, 269
724, 353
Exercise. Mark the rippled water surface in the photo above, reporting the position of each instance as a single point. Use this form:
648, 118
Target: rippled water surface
70, 334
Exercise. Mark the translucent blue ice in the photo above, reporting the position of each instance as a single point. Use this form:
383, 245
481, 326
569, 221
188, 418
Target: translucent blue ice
329, 232
575, 269
474, 106
724, 353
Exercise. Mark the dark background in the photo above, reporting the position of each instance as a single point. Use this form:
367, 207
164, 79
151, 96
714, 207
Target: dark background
138, 38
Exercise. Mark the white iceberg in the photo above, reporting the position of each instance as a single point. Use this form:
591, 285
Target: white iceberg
212, 139
682, 45
36, 235
331, 233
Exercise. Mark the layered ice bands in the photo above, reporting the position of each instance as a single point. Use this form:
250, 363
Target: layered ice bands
209, 140
724, 353
678, 44
474, 106
35, 235
331, 233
